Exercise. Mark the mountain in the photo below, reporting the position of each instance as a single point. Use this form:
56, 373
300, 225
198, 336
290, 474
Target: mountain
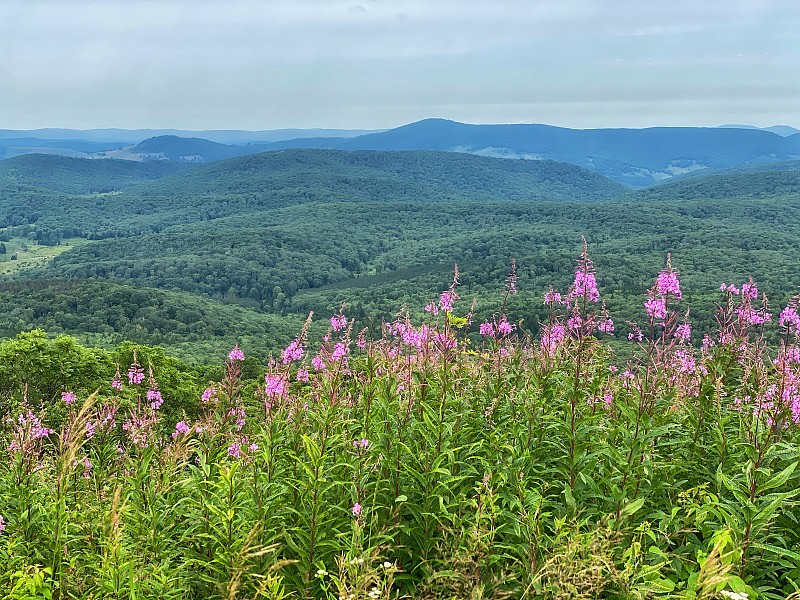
116, 143
635, 157
782, 130
174, 148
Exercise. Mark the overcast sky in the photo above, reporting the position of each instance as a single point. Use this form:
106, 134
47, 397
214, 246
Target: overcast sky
246, 64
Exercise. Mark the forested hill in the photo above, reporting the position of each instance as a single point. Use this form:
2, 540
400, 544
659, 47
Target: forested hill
637, 157
285, 232
758, 184
80, 175
285, 178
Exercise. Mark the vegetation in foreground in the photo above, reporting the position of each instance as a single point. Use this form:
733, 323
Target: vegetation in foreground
408, 462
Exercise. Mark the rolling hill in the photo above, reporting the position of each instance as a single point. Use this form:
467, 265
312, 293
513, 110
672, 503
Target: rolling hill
285, 232
636, 157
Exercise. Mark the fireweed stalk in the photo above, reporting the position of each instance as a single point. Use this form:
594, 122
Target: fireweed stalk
646, 372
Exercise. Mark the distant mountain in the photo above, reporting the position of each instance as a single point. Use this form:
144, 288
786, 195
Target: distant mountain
782, 130
174, 148
636, 157
123, 137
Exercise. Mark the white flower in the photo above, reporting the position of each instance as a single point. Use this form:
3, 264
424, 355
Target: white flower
387, 565
734, 595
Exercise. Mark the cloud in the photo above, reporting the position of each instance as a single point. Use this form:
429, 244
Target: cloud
303, 63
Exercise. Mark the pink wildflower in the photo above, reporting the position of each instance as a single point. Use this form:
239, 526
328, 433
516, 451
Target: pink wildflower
2, 524
275, 386
505, 328
155, 399
293, 351
180, 428
356, 509
487, 329
318, 363
667, 283
338, 322
683, 332
68, 398
446, 301
236, 355
302, 375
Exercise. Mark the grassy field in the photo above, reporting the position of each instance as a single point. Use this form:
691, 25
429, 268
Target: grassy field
30, 255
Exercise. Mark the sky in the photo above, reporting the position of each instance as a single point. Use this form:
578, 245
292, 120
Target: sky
367, 64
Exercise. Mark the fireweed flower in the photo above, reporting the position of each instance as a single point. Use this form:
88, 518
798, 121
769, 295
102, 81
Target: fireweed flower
505, 328
487, 329
154, 398
683, 332
446, 301
275, 386
180, 429
667, 283
338, 322
236, 355
302, 375
209, 395
432, 308
293, 351
606, 325
356, 509
318, 363
362, 443
68, 398
789, 319
2, 524
135, 375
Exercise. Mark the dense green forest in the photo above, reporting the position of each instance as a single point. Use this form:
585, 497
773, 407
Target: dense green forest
277, 235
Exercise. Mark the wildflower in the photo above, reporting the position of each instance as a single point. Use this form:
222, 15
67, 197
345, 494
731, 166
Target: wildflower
667, 283
302, 375
683, 332
2, 524
318, 363
275, 386
553, 297
505, 328
656, 308
87, 467
340, 350
116, 384
432, 308
155, 399
338, 322
585, 285
180, 428
209, 395
606, 326
236, 355
387, 565
135, 375
487, 329
235, 451
446, 300
293, 351
68, 398
356, 509
363, 443
789, 319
